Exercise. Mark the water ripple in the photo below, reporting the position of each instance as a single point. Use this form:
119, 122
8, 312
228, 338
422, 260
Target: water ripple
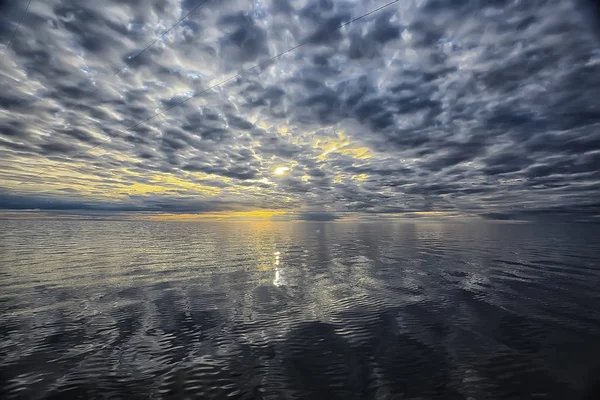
274, 310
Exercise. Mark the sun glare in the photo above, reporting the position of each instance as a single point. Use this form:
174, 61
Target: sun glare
281, 170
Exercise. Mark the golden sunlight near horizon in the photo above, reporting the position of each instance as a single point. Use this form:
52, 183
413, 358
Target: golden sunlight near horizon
221, 216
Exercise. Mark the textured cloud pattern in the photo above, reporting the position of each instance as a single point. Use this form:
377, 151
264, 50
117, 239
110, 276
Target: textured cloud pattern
485, 108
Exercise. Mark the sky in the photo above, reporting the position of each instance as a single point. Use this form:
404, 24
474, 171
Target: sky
426, 107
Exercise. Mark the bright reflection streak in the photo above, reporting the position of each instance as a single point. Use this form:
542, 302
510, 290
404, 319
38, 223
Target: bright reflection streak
277, 280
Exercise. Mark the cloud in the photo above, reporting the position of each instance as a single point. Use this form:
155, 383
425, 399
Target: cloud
473, 108
317, 216
145, 204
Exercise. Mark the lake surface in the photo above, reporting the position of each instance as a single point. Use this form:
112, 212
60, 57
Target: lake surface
298, 310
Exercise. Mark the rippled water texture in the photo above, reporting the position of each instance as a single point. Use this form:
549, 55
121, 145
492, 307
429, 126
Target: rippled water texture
283, 310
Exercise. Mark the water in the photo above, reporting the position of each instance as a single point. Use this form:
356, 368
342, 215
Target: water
284, 310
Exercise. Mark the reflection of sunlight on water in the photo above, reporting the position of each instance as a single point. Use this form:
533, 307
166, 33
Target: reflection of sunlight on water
195, 305
277, 281
475, 282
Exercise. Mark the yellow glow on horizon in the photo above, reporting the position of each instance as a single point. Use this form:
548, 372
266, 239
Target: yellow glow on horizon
258, 214
434, 213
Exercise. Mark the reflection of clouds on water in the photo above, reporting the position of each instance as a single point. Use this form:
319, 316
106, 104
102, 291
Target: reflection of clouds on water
419, 309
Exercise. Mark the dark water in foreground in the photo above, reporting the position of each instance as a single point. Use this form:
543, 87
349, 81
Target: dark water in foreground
278, 310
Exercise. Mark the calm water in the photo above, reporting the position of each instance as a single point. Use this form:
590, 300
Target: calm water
279, 310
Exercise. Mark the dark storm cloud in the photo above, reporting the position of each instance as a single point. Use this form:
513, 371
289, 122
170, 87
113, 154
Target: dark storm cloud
238, 122
18, 202
469, 107
586, 212
58, 148
237, 172
244, 40
501, 163
18, 147
317, 216
274, 145
13, 129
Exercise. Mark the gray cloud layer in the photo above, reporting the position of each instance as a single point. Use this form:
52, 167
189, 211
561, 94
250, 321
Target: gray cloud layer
476, 107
